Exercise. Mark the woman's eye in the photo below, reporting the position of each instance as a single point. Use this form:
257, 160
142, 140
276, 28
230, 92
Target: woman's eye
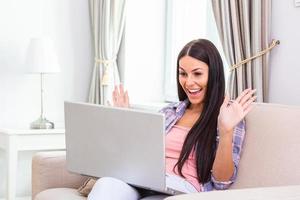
198, 73
182, 74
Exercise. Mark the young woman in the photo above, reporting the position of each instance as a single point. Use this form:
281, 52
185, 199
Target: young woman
205, 130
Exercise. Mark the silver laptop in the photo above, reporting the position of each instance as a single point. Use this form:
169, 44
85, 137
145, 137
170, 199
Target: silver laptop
115, 142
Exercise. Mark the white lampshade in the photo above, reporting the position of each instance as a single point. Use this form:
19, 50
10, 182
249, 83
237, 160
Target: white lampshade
41, 56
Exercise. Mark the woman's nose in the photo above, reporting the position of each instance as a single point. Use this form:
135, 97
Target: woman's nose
190, 80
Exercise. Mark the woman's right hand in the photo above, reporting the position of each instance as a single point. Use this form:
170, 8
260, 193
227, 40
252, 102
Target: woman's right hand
120, 97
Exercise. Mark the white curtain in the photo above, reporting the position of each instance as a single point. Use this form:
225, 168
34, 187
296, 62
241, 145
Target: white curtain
244, 29
107, 22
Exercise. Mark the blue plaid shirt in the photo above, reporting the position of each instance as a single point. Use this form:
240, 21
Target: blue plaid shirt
174, 111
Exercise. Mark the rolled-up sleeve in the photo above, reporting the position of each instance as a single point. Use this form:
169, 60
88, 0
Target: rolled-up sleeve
238, 140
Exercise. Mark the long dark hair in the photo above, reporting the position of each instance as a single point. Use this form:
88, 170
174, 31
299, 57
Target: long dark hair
202, 136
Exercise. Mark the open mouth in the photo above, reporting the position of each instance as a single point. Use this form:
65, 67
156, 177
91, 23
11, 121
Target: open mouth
194, 91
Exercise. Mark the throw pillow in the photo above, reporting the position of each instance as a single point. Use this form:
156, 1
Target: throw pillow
87, 186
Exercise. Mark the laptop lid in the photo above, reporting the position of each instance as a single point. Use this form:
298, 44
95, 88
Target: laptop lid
123, 143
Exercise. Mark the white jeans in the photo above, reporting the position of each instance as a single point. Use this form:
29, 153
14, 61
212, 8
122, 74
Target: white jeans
180, 184
108, 188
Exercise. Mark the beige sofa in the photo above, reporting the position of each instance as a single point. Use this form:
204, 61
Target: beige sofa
270, 158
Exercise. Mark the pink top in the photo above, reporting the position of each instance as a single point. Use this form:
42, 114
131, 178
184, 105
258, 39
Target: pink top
174, 142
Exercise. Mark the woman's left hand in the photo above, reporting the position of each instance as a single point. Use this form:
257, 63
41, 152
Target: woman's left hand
232, 112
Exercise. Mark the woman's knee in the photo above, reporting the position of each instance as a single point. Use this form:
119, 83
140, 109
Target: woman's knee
114, 189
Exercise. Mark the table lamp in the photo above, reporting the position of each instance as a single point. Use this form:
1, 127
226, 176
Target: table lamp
41, 59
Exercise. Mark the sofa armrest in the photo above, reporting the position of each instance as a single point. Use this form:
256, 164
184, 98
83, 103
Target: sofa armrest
49, 171
278, 192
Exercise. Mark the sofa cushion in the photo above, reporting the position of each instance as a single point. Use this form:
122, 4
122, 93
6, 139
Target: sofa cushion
73, 194
59, 194
155, 197
270, 156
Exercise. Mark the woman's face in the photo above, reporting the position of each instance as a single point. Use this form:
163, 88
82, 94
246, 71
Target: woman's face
193, 78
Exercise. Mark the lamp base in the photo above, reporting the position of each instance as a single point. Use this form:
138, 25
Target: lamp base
42, 123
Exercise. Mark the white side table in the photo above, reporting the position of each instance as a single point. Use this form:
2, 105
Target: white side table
15, 140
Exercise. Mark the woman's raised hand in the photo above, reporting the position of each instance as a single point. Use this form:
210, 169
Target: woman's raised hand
232, 112
120, 97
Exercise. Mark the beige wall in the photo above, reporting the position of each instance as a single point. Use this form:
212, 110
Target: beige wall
284, 61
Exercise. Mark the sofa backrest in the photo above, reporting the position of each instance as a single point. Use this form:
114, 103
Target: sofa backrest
271, 152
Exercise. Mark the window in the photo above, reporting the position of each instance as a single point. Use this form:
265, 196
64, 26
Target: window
155, 32
186, 20
144, 50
